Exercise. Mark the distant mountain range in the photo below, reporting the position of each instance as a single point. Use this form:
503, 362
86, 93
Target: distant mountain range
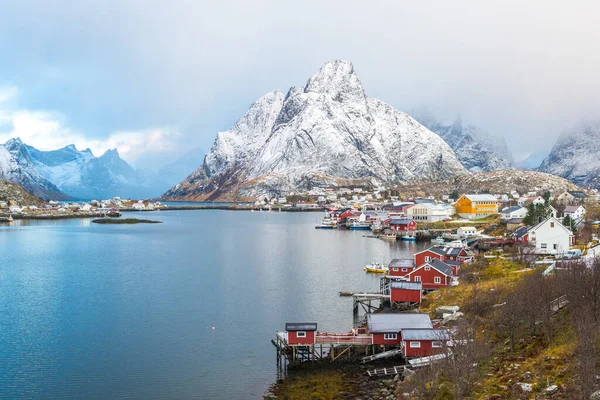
476, 149
576, 155
70, 173
325, 133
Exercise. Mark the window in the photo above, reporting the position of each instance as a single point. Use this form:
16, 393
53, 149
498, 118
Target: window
543, 245
415, 345
555, 246
395, 269
404, 269
300, 334
427, 258
436, 344
551, 224
437, 279
390, 336
417, 279
427, 268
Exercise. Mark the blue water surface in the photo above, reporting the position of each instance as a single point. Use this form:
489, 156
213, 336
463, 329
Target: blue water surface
92, 311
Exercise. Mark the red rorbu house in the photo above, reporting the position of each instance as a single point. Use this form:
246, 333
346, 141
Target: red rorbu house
401, 266
386, 328
300, 332
434, 274
445, 253
423, 342
402, 225
405, 292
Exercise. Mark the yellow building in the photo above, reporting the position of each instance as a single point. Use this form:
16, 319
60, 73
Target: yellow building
475, 206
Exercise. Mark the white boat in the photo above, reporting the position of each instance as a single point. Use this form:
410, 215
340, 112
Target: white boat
376, 268
388, 236
10, 219
327, 223
438, 240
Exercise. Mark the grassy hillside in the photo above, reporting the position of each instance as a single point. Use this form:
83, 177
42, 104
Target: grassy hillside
14, 192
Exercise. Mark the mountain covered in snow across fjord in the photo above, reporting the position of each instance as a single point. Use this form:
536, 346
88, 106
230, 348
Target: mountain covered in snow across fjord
69, 173
326, 133
478, 150
576, 156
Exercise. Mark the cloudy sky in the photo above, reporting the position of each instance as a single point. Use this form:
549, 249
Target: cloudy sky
154, 78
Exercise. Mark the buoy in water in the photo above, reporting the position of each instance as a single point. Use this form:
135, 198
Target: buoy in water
213, 328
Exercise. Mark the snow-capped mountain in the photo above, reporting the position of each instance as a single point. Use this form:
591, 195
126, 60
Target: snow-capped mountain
17, 166
70, 173
576, 155
325, 133
478, 150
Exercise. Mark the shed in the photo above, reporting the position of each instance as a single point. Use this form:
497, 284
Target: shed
301, 332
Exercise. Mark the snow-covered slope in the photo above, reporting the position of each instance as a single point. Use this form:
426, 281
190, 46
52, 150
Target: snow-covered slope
17, 166
478, 150
326, 133
576, 156
70, 173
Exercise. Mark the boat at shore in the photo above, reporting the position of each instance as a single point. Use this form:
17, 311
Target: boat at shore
410, 237
438, 240
376, 268
327, 223
388, 236
10, 219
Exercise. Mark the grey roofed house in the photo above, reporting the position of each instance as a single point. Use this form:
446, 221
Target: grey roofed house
514, 221
446, 250
441, 266
453, 263
425, 334
510, 209
578, 194
521, 231
424, 201
407, 285
300, 326
402, 263
394, 323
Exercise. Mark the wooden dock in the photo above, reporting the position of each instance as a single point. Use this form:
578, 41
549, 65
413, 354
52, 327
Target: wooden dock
398, 370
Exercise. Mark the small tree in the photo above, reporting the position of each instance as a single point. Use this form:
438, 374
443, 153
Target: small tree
568, 222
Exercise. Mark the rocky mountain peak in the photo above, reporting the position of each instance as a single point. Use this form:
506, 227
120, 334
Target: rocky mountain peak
337, 80
327, 134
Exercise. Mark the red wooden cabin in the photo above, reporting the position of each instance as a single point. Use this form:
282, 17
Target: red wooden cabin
402, 225
406, 292
423, 342
386, 328
401, 266
434, 274
300, 332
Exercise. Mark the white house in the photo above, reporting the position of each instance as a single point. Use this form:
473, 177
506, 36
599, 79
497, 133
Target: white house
575, 212
15, 209
429, 212
466, 231
571, 197
523, 201
513, 212
550, 237
138, 206
85, 207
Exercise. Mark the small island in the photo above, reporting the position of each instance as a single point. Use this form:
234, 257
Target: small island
125, 221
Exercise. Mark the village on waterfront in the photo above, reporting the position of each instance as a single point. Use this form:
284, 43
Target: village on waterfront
415, 327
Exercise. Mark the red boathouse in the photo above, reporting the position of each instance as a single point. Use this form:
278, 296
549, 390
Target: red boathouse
300, 332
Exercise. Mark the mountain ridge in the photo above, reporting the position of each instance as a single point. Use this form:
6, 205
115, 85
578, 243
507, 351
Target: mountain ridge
326, 133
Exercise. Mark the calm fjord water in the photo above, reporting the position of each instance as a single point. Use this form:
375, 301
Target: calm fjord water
126, 311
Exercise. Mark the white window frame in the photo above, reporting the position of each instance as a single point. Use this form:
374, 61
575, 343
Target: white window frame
390, 336
417, 278
427, 268
414, 345
437, 279
404, 270
436, 344
427, 258
301, 334
543, 245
